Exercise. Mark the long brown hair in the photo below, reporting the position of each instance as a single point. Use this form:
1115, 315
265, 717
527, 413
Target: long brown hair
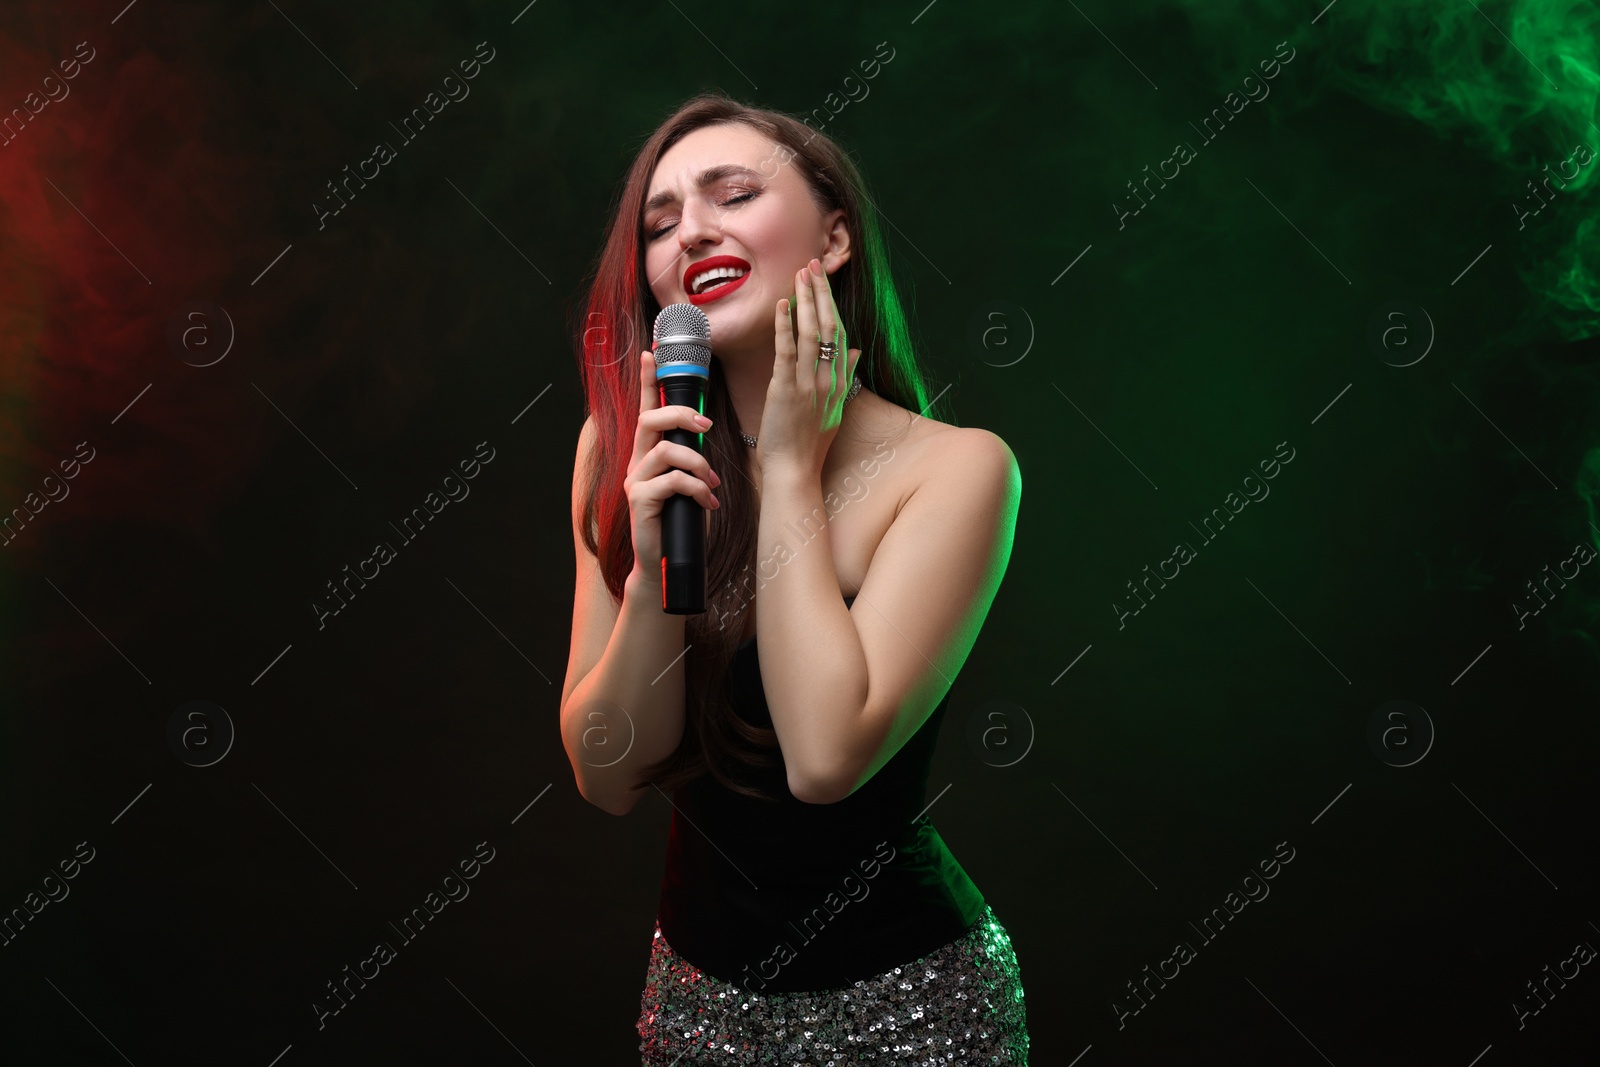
616, 326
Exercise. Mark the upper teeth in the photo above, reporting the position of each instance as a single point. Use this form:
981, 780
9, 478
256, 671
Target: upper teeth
702, 282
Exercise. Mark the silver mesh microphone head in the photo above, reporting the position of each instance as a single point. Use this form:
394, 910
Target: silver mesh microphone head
683, 335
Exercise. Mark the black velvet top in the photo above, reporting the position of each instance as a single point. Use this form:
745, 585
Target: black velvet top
783, 896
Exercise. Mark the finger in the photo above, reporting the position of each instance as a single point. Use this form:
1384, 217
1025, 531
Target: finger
658, 420
829, 385
783, 338
806, 315
855, 362
649, 395
648, 401
688, 485
657, 490
829, 372
667, 456
822, 293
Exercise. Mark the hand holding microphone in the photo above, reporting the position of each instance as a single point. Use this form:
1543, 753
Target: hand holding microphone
669, 483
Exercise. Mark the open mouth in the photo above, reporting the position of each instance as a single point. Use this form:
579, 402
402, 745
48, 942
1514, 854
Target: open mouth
716, 288
715, 278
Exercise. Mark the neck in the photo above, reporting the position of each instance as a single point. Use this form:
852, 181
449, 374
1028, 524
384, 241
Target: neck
746, 381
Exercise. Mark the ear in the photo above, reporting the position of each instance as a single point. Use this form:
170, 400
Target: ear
837, 250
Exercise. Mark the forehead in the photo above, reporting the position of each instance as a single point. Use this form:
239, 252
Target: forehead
709, 146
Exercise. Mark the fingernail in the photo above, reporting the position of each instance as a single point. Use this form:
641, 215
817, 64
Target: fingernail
715, 502
702, 420
816, 265
714, 479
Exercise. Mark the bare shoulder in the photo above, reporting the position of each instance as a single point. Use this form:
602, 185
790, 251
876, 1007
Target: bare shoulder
943, 452
969, 460
972, 448
975, 464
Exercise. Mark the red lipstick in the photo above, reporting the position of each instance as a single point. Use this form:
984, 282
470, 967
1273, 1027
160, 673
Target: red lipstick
694, 270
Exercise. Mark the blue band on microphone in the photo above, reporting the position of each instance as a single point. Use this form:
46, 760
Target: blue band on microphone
697, 370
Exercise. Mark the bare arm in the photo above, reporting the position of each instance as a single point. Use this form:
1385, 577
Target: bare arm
815, 687
863, 680
622, 706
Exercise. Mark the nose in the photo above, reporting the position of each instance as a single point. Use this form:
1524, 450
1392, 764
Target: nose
699, 225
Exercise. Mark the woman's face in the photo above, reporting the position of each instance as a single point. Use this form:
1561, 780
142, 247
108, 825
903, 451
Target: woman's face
756, 210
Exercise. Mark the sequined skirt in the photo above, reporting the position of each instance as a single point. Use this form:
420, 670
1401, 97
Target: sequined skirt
962, 1003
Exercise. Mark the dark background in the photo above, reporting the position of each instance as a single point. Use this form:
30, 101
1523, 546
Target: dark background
1137, 390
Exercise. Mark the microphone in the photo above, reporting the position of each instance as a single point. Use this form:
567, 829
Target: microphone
683, 369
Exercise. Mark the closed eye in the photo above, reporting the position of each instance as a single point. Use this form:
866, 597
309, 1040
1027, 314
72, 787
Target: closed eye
732, 200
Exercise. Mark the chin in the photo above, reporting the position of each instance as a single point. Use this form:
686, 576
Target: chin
736, 324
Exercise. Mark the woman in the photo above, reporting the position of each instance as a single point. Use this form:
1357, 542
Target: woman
809, 912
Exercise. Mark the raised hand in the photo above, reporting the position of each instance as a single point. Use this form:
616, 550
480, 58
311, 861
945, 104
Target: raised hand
805, 400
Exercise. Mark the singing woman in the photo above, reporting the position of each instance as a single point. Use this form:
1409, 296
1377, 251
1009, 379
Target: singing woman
809, 912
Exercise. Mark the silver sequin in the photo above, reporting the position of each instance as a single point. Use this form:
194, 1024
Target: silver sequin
962, 1004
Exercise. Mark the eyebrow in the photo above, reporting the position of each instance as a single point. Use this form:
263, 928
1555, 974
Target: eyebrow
709, 176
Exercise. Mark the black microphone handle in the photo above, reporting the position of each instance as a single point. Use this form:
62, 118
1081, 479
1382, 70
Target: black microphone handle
683, 522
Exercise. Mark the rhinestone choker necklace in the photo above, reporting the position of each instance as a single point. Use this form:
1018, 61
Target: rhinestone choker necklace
855, 387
